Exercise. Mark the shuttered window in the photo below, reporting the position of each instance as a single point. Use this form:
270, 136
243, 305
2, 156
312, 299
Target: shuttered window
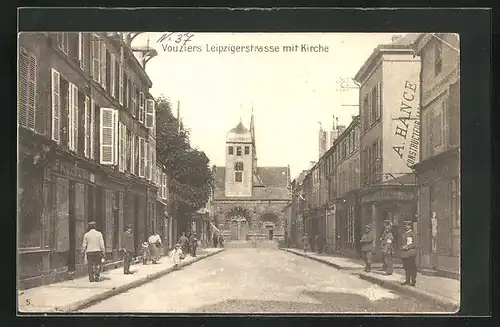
121, 78
454, 114
86, 127
108, 136
136, 154
92, 128
83, 51
142, 156
27, 89
132, 153
95, 49
103, 63
150, 114
133, 98
63, 42
112, 73
121, 143
73, 117
141, 107
56, 105
127, 92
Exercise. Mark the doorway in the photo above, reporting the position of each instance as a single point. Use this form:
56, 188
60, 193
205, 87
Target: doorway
271, 234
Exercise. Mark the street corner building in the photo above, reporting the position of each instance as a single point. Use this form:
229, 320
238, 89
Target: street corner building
86, 124
248, 200
438, 172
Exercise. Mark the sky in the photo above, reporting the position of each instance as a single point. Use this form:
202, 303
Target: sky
291, 92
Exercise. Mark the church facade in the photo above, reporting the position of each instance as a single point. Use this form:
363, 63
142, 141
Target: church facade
248, 200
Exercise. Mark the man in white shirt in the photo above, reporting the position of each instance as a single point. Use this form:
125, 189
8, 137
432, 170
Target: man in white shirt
93, 249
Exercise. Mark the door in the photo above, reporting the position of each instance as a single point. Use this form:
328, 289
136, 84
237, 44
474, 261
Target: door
72, 225
234, 230
271, 234
243, 230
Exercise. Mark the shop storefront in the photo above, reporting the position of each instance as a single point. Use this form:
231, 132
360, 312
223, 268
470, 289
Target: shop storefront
349, 224
394, 203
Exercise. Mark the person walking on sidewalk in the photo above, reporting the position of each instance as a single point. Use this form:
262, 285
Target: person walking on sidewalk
93, 250
184, 241
221, 240
305, 242
367, 247
409, 255
128, 249
215, 239
193, 244
386, 248
176, 256
154, 246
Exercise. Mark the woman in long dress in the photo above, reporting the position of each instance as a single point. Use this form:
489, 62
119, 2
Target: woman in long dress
154, 246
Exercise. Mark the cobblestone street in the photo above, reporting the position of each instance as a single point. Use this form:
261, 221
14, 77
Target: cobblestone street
260, 281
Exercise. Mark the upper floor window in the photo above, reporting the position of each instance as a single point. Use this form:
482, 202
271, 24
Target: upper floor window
238, 151
438, 58
27, 89
436, 128
238, 166
375, 103
230, 150
63, 42
247, 150
366, 112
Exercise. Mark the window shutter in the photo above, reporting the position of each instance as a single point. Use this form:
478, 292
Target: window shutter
132, 153
56, 106
23, 86
92, 129
127, 93
86, 127
32, 92
95, 47
112, 73
103, 64
116, 136
150, 113
75, 118
107, 136
141, 107
120, 146
70, 116
80, 50
142, 156
379, 101
120, 77
445, 124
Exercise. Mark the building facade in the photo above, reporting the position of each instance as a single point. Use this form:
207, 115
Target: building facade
389, 135
87, 151
249, 200
439, 166
348, 182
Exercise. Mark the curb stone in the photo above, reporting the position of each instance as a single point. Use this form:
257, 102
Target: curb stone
123, 288
317, 259
449, 305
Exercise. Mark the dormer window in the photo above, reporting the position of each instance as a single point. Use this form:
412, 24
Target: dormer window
247, 150
238, 151
230, 150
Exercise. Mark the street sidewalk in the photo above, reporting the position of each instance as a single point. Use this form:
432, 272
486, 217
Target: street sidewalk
73, 295
444, 292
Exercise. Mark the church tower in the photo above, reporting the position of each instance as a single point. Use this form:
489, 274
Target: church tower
240, 147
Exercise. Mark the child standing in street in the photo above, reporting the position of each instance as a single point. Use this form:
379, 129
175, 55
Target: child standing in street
176, 256
145, 252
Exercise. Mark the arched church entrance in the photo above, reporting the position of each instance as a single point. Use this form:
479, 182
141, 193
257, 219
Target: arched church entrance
269, 225
239, 221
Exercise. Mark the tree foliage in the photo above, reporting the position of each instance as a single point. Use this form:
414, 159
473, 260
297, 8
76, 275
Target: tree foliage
189, 176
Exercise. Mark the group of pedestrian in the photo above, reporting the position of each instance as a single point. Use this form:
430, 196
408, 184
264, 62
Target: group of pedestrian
218, 240
408, 251
94, 250
189, 243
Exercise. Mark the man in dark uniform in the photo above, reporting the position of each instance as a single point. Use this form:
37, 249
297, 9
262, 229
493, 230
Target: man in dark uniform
386, 243
128, 249
366, 243
193, 244
409, 255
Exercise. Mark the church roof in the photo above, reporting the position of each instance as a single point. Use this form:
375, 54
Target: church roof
239, 134
239, 129
270, 183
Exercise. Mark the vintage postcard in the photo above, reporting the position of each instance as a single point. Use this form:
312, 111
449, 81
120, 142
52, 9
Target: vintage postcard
185, 172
